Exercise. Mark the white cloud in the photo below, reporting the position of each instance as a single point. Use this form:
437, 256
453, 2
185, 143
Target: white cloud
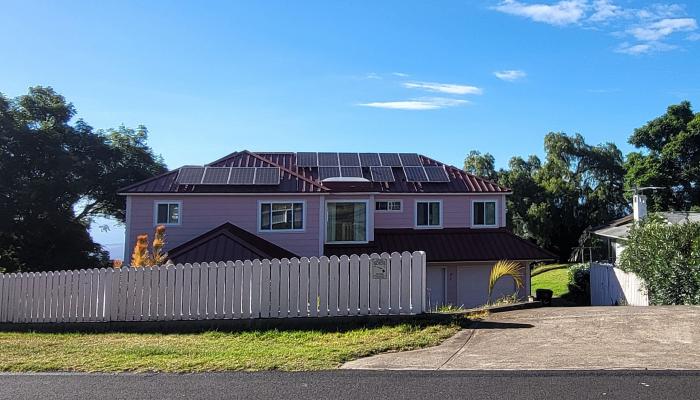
510, 75
644, 48
432, 103
660, 29
651, 27
604, 10
564, 12
449, 88
400, 74
372, 75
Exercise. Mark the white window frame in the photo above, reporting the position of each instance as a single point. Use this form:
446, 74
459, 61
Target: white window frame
303, 216
388, 201
168, 202
367, 221
415, 215
495, 219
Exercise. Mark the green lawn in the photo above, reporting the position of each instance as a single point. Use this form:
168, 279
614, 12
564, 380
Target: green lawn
555, 279
292, 350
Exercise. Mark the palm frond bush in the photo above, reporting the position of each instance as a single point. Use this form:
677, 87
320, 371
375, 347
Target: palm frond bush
505, 268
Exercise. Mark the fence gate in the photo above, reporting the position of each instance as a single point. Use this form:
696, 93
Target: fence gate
613, 286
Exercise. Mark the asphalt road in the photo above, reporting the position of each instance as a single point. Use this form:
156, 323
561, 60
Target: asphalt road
358, 385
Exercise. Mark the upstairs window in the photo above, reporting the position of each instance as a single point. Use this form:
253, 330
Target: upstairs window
281, 216
346, 221
168, 213
388, 205
428, 214
484, 213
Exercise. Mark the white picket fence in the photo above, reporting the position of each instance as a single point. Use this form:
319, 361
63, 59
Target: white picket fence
306, 287
613, 286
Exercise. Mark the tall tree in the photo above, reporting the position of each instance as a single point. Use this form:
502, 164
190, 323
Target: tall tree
577, 186
483, 165
669, 157
55, 176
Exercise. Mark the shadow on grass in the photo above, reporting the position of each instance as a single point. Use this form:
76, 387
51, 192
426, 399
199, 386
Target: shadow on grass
319, 324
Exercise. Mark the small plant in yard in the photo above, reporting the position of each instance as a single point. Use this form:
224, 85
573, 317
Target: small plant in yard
505, 300
142, 257
448, 308
502, 269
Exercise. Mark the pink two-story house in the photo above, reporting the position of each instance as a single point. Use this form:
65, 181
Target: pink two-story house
250, 205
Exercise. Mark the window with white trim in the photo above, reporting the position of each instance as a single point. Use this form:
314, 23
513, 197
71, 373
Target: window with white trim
281, 216
346, 221
484, 213
388, 205
167, 213
428, 214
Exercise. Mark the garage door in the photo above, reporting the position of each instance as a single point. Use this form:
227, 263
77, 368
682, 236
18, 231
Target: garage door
464, 286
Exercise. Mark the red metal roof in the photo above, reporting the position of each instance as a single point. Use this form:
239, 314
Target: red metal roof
294, 179
226, 243
451, 244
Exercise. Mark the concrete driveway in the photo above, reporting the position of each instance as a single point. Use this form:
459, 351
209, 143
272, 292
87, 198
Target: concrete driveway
563, 338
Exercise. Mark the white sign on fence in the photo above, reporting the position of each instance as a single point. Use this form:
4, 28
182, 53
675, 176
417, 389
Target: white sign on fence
379, 268
306, 287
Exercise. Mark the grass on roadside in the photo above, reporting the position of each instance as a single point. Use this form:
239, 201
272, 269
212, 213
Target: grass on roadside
289, 350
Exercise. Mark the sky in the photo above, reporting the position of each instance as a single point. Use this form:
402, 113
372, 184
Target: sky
437, 78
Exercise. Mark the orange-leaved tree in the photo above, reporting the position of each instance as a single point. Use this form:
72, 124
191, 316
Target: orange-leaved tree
142, 257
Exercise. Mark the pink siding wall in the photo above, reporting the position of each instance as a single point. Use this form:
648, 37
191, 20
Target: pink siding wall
456, 211
203, 213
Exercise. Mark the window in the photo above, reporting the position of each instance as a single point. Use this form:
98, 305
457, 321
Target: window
484, 213
346, 221
281, 216
428, 214
167, 213
388, 205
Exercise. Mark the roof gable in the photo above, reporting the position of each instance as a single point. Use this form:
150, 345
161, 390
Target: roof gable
227, 242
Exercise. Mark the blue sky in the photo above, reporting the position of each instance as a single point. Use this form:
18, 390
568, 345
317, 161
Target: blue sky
439, 78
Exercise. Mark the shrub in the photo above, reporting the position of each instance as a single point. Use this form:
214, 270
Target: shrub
667, 258
142, 257
579, 284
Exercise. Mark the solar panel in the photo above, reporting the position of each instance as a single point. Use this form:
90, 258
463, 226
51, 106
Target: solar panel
349, 159
390, 159
410, 160
327, 159
267, 176
415, 174
307, 160
351, 172
328, 172
190, 175
436, 174
382, 174
242, 176
370, 160
216, 175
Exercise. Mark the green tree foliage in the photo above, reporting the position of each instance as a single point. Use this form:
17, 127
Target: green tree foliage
483, 165
670, 157
55, 176
578, 185
667, 258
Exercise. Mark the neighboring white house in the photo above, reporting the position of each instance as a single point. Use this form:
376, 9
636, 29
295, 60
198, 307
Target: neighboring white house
609, 284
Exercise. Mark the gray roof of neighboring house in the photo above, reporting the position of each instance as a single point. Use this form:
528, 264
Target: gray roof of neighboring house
619, 229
